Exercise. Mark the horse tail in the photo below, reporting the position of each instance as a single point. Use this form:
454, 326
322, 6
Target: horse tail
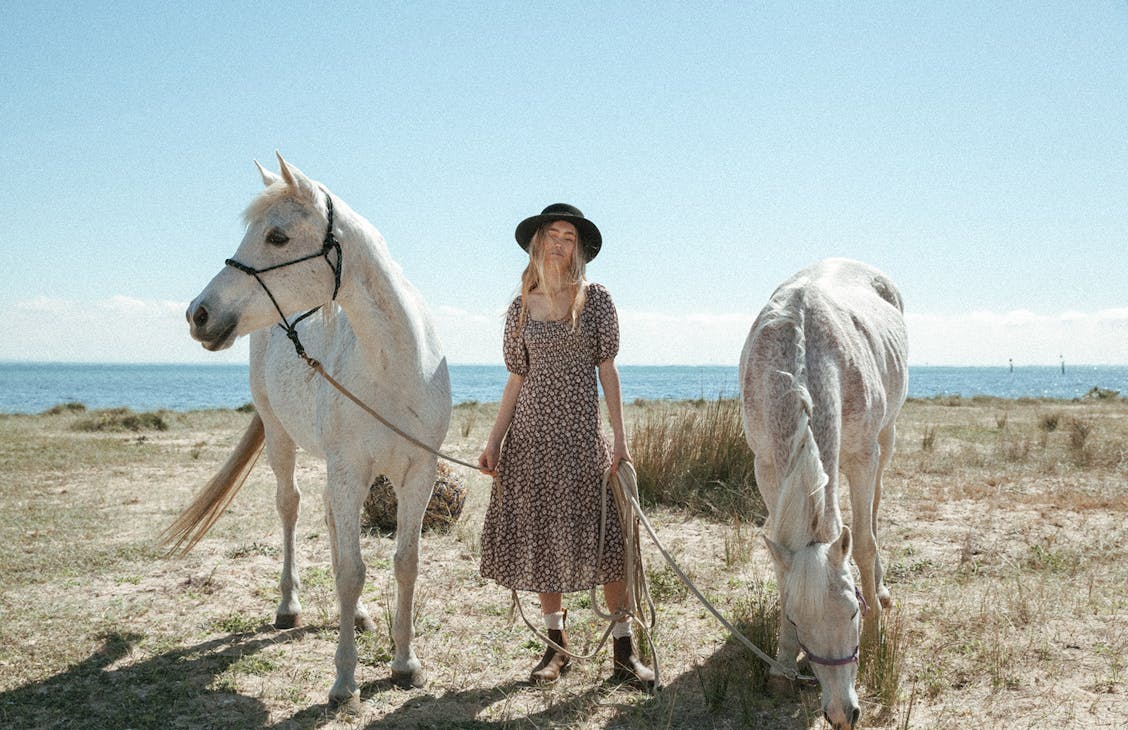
803, 480
199, 517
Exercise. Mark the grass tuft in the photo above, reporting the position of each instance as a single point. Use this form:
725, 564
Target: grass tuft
882, 665
694, 456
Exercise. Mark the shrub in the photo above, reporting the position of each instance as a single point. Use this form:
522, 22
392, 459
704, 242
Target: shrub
694, 455
1049, 422
448, 495
122, 419
62, 408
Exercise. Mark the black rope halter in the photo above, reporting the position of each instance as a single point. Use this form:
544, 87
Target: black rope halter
329, 243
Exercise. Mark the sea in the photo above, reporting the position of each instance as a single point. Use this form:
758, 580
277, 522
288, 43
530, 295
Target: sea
36, 387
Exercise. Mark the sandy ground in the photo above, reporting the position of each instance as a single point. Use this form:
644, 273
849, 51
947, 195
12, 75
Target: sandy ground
1008, 579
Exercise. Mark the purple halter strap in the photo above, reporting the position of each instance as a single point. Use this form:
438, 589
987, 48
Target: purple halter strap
816, 659
853, 658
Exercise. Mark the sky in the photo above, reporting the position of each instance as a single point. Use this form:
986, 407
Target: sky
974, 152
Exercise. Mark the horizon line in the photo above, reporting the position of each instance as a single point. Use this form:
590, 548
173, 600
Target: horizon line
1004, 365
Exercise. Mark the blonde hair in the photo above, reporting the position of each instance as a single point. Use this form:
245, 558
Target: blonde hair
534, 276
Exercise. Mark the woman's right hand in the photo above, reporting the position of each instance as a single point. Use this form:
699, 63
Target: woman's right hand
487, 462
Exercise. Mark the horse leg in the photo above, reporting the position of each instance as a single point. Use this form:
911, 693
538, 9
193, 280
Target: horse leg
861, 471
788, 646
767, 480
282, 454
362, 621
886, 440
412, 497
343, 503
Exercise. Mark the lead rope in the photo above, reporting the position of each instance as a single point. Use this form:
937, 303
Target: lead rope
635, 578
364, 406
624, 488
634, 575
791, 674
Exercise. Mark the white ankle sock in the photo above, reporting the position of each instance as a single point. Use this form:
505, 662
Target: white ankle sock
554, 620
621, 629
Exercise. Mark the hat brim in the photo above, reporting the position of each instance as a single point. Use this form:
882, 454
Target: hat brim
590, 236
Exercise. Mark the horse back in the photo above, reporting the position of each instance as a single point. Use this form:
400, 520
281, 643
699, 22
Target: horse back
856, 337
838, 325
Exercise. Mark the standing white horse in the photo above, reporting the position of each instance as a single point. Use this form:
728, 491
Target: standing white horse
304, 249
823, 376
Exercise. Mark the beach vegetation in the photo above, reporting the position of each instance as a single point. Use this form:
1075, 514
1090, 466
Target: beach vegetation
65, 408
693, 455
997, 541
123, 419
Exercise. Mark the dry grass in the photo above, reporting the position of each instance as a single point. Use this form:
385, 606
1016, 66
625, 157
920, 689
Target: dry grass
693, 455
1004, 540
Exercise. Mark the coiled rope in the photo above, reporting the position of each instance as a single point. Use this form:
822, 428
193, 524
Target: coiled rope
624, 488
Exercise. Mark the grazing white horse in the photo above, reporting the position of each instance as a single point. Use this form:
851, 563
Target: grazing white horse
305, 249
823, 376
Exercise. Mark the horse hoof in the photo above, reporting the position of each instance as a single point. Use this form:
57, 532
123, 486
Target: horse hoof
409, 680
364, 624
287, 621
349, 705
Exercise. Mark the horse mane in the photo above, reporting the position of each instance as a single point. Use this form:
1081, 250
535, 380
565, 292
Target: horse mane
802, 498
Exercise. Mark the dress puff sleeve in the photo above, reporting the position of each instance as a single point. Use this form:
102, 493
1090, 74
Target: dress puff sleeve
606, 323
513, 342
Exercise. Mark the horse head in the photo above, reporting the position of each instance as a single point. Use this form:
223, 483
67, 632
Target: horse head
279, 268
820, 604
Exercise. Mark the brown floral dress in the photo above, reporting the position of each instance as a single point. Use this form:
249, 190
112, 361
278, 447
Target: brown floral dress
541, 531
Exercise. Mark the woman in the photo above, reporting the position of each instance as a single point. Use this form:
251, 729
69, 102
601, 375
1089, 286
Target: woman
546, 450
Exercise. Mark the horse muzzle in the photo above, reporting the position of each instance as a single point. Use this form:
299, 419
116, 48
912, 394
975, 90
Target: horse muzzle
843, 718
213, 332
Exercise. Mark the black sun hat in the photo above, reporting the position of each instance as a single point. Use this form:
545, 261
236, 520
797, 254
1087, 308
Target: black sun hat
589, 234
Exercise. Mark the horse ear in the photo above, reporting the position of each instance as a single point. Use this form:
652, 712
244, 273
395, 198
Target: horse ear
840, 550
781, 555
296, 179
268, 177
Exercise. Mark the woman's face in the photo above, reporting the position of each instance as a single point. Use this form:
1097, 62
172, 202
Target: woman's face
560, 245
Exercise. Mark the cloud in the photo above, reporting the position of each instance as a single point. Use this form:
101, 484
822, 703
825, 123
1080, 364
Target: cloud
127, 329
646, 338
692, 338
119, 329
995, 338
469, 337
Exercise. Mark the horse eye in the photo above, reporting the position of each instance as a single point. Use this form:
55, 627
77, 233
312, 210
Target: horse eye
277, 238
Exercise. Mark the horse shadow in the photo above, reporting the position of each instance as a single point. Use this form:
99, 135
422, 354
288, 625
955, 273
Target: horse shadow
171, 689
727, 688
179, 688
